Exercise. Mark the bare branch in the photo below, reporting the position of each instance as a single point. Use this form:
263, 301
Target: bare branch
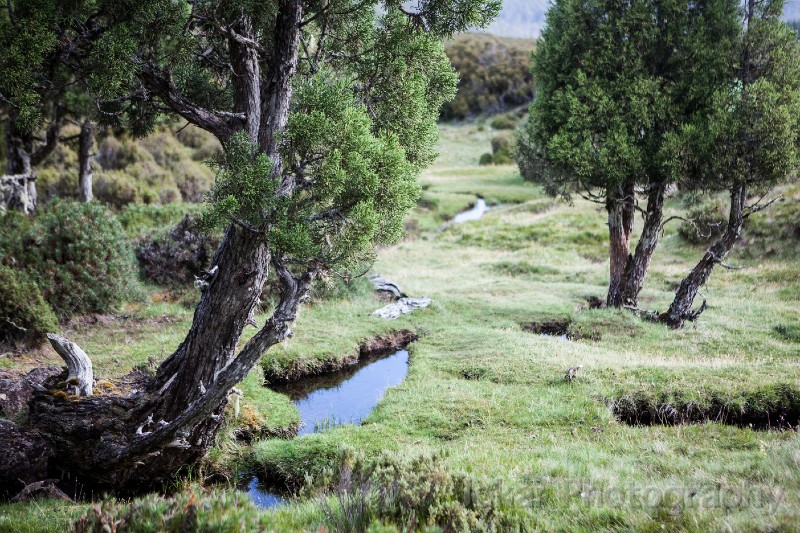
758, 206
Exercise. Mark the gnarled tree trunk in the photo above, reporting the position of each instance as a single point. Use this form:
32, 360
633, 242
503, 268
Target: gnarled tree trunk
620, 208
636, 268
21, 157
19, 187
681, 308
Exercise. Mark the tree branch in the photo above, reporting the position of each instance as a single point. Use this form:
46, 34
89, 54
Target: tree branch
161, 84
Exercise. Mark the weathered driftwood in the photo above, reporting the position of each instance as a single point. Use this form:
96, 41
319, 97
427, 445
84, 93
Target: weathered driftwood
81, 376
403, 306
381, 284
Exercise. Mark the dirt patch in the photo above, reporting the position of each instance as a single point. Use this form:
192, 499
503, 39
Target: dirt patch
562, 329
552, 328
371, 348
767, 408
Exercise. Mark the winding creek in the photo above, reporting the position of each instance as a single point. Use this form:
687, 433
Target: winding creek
344, 397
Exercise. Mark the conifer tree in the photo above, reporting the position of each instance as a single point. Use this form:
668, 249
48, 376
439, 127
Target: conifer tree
750, 141
617, 82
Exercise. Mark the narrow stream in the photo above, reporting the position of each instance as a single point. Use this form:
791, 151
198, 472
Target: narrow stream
344, 397
475, 213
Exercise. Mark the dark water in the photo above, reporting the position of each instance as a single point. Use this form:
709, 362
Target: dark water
344, 397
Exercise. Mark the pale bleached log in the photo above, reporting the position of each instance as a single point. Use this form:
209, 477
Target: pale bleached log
79, 366
403, 306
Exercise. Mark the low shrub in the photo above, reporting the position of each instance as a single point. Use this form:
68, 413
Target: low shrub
502, 148
116, 189
416, 494
503, 122
193, 180
77, 254
192, 510
24, 315
175, 257
486, 159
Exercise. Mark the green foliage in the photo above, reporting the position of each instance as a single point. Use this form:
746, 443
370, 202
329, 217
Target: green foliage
24, 315
486, 159
192, 510
614, 91
503, 122
363, 184
23, 56
409, 78
77, 254
244, 188
494, 75
502, 148
752, 134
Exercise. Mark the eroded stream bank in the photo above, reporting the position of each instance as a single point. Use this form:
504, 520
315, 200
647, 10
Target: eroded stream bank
344, 396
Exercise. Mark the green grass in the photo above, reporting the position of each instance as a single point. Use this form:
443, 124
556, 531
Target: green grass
489, 398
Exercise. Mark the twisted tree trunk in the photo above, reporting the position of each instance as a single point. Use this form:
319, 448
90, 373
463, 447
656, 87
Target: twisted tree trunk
20, 194
620, 208
681, 308
636, 268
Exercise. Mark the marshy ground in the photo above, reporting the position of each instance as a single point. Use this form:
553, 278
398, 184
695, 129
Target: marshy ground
654, 432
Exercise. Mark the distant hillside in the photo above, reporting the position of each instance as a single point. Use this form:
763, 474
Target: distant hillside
495, 74
526, 18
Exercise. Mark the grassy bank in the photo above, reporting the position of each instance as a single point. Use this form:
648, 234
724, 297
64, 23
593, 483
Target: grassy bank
488, 397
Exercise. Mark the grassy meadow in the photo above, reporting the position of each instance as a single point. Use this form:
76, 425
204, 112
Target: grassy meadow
488, 400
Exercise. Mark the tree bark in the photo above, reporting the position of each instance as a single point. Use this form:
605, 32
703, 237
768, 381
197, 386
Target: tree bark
636, 268
246, 78
19, 146
620, 208
681, 308
85, 161
130, 444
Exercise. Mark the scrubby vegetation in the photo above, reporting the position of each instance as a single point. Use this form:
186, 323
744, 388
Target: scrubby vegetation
24, 315
77, 254
529, 404
495, 75
175, 257
166, 167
